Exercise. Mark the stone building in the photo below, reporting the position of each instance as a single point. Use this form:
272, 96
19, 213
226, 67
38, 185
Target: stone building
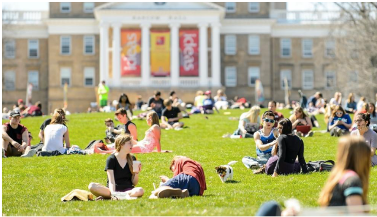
231, 45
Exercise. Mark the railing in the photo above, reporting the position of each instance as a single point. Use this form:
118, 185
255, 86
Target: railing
12, 17
189, 82
160, 82
186, 82
131, 82
283, 16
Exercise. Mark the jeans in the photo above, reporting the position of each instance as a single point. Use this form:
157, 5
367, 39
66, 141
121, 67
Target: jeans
270, 208
259, 161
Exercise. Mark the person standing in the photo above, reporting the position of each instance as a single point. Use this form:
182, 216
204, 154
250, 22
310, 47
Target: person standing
103, 92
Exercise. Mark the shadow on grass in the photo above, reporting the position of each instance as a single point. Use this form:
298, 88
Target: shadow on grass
232, 182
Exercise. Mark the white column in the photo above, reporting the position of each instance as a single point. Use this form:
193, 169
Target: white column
215, 35
104, 52
145, 54
174, 54
203, 55
116, 53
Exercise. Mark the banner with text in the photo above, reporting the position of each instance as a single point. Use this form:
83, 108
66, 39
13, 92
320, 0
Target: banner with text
131, 53
160, 53
188, 52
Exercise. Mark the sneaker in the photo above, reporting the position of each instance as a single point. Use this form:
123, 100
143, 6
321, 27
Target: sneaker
340, 132
260, 170
172, 193
178, 128
31, 153
255, 166
310, 134
4, 154
227, 135
299, 134
335, 132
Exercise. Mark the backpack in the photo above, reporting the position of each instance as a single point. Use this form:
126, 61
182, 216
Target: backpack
319, 166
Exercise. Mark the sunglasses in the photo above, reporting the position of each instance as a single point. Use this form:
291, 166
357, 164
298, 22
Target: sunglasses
339, 113
359, 120
269, 120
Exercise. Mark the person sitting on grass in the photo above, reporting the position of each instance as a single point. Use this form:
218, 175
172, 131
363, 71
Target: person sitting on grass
110, 134
198, 102
152, 136
16, 137
208, 104
249, 123
48, 121
264, 139
172, 114
126, 125
288, 148
124, 102
55, 133
121, 176
299, 118
277, 115
348, 181
351, 104
188, 180
156, 103
362, 121
340, 122
177, 102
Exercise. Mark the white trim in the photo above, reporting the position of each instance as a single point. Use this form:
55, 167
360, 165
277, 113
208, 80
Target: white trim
72, 26
230, 42
61, 45
12, 75
253, 10
234, 7
230, 71
282, 47
252, 46
69, 72
11, 43
26, 31
93, 45
288, 74
305, 52
92, 71
65, 11
28, 49
327, 73
307, 73
35, 87
251, 72
88, 11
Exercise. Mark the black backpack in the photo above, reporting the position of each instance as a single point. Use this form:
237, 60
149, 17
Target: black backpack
319, 166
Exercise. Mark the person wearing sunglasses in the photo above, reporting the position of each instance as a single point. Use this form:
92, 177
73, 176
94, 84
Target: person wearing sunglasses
264, 139
363, 120
340, 122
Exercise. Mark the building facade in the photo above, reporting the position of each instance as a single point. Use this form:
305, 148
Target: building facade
141, 47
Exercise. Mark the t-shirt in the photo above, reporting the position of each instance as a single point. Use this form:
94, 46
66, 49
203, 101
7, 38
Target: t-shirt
35, 109
15, 134
371, 138
290, 147
111, 135
345, 118
351, 105
125, 127
173, 113
45, 123
105, 92
278, 116
53, 138
333, 101
313, 100
247, 120
199, 100
122, 176
159, 104
350, 184
208, 103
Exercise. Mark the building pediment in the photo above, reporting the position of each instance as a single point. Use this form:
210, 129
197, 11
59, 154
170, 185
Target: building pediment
164, 6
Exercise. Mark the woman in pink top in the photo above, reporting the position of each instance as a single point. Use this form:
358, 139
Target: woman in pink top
152, 136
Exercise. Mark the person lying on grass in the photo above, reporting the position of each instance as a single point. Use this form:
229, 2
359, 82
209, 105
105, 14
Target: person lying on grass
188, 180
152, 136
121, 176
265, 139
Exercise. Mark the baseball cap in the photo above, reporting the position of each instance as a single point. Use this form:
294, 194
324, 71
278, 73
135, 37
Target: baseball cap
207, 92
14, 113
20, 100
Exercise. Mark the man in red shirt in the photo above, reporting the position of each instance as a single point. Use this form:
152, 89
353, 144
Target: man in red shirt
278, 116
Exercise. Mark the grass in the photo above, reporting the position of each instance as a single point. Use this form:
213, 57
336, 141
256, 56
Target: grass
34, 186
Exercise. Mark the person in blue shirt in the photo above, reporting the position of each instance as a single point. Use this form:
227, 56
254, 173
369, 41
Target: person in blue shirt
351, 104
340, 122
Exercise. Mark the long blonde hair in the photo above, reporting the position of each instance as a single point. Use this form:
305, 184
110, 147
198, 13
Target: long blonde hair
58, 118
253, 114
119, 142
353, 154
155, 119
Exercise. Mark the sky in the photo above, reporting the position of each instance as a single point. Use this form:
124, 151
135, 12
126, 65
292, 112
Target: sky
43, 6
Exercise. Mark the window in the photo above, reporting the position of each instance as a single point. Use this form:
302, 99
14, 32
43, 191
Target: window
10, 49
65, 7
230, 7
254, 44
34, 79
9, 80
65, 76
65, 45
89, 76
330, 80
288, 75
230, 76
307, 46
253, 7
330, 48
88, 44
253, 75
353, 77
307, 80
285, 47
33, 48
88, 7
230, 45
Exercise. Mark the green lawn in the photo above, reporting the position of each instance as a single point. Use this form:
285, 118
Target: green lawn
34, 186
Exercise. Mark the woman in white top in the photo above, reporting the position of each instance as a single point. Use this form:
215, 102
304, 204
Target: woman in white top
55, 133
249, 123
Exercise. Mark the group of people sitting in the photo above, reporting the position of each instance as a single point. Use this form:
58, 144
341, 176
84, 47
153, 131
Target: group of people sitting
25, 111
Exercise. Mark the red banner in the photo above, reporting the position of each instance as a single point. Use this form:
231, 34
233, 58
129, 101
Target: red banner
131, 53
189, 52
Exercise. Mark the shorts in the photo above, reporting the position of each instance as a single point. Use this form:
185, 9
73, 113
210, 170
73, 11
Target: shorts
184, 181
172, 122
124, 190
103, 102
12, 151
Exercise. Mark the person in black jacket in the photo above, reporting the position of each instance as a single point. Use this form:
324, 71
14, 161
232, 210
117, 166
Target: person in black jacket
285, 152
